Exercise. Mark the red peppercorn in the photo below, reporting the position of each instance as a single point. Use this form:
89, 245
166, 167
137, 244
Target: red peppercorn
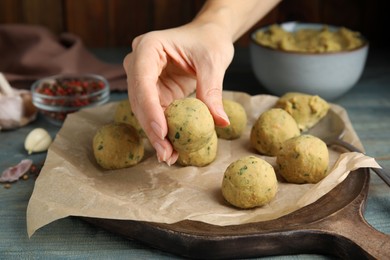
69, 87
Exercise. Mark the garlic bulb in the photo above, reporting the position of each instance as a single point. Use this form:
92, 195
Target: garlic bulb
38, 140
16, 107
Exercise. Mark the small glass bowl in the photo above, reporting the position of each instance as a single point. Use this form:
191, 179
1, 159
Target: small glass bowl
59, 95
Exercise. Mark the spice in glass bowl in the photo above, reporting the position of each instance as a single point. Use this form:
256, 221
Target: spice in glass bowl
57, 96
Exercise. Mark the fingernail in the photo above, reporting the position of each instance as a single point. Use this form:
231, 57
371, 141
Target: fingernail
221, 113
160, 151
173, 158
169, 162
157, 130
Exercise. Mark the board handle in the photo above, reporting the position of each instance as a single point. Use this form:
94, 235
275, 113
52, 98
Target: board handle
351, 227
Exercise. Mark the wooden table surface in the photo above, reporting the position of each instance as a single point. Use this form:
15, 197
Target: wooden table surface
367, 104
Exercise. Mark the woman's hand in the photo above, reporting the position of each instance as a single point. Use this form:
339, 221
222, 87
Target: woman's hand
171, 64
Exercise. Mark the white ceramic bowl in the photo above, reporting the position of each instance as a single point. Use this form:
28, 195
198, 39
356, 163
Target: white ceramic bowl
328, 75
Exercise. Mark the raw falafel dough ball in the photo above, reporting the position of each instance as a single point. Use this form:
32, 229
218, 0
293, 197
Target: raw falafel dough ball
124, 114
307, 110
303, 159
271, 129
249, 182
203, 156
237, 117
117, 145
190, 124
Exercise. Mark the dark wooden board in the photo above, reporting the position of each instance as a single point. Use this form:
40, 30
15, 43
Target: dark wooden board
333, 225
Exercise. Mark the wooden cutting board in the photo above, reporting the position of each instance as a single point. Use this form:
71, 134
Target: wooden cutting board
334, 225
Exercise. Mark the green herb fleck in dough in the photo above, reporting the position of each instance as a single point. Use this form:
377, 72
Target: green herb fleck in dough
177, 135
243, 169
100, 147
294, 106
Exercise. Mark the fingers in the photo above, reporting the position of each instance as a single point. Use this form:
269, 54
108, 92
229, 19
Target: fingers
157, 65
142, 75
151, 117
212, 97
209, 90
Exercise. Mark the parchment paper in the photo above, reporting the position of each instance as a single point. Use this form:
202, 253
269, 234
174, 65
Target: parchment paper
72, 184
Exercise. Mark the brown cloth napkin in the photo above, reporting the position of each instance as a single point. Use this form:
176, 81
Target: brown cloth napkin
29, 52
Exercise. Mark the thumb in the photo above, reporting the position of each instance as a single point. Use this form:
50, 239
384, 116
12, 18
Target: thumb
209, 90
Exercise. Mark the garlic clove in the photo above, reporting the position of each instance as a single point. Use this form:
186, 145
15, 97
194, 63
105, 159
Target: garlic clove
38, 140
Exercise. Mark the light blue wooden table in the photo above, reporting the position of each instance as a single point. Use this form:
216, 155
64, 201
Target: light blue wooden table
368, 106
